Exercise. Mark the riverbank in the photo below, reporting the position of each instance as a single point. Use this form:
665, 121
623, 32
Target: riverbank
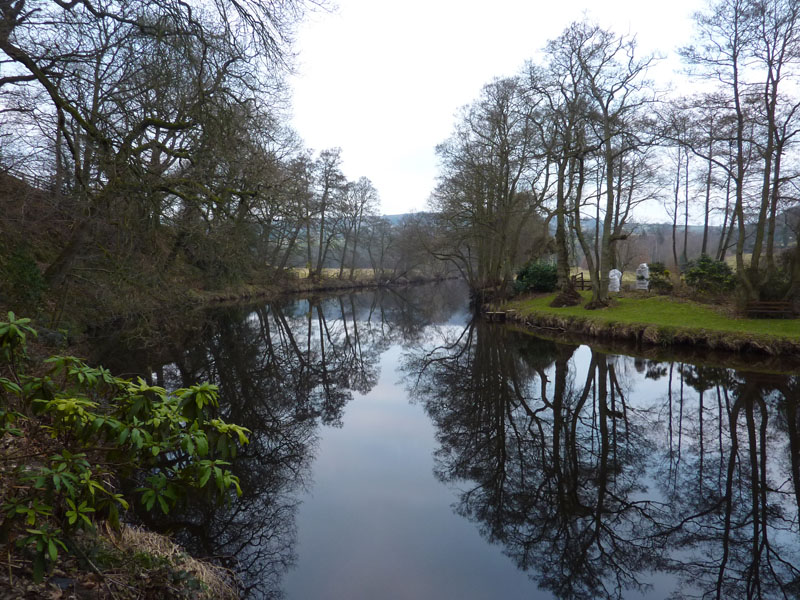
148, 314
661, 321
299, 285
74, 441
127, 565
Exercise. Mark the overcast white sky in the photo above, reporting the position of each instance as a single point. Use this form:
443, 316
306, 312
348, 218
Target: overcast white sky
383, 80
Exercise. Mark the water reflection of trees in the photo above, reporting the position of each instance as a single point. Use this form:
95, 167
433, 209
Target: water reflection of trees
282, 369
734, 501
280, 373
590, 487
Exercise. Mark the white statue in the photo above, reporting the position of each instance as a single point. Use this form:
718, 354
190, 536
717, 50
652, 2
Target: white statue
614, 278
642, 277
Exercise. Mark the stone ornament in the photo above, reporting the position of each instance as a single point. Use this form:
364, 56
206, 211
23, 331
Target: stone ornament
642, 277
614, 278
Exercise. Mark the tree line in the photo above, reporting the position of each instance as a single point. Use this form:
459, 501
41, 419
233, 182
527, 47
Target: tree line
155, 137
157, 134
580, 138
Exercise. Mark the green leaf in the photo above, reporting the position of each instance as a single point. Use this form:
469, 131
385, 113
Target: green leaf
113, 517
205, 475
202, 445
243, 440
10, 386
122, 502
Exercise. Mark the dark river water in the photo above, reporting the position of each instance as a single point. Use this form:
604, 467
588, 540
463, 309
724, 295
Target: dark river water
403, 450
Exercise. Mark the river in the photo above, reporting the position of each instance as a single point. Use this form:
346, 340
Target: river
402, 449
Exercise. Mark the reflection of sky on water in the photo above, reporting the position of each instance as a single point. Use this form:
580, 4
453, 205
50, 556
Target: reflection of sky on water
377, 523
473, 476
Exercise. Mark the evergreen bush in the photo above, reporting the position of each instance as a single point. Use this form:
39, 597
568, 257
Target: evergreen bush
660, 281
708, 276
536, 276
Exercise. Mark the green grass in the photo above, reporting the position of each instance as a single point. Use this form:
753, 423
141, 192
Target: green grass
661, 311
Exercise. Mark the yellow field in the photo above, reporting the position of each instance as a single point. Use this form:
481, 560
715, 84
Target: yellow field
302, 273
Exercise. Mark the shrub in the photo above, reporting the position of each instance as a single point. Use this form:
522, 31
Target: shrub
708, 276
93, 431
536, 276
660, 281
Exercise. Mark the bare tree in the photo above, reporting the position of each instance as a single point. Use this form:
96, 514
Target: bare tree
133, 89
359, 203
330, 186
750, 47
613, 81
487, 163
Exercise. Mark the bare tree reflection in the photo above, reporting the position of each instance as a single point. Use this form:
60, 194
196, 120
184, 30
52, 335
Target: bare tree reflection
552, 460
734, 504
591, 491
592, 471
282, 370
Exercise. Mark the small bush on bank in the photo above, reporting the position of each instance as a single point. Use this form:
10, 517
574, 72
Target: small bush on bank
710, 277
536, 276
660, 282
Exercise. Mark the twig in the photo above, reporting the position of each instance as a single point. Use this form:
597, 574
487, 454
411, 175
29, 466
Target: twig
97, 571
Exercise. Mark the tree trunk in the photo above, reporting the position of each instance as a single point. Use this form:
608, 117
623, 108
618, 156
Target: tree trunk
773, 208
344, 254
725, 239
58, 270
686, 209
567, 296
704, 247
675, 206
356, 233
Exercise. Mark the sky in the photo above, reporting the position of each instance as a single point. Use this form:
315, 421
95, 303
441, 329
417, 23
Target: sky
384, 80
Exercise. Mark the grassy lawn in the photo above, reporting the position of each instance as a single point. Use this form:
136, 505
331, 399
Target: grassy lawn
661, 311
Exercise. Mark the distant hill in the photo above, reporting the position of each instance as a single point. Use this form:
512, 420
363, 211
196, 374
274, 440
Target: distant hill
396, 219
